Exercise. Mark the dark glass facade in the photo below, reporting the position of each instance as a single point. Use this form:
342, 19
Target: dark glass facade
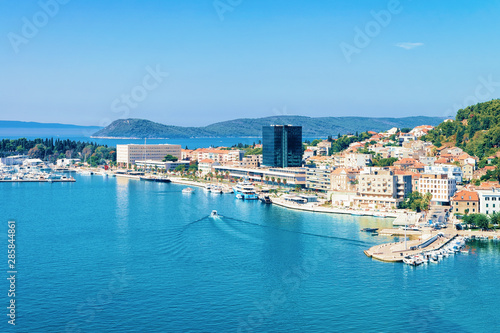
282, 146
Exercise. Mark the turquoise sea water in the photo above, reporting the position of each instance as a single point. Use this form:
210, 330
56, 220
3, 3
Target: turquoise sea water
119, 255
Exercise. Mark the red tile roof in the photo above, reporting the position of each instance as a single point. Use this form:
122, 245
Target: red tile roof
465, 195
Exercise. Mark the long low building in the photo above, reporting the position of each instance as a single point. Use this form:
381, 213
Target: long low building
169, 165
272, 176
128, 154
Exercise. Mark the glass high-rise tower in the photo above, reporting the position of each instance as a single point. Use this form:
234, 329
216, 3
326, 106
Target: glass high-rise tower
282, 146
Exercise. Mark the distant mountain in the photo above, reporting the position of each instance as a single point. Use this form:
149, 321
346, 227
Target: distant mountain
248, 127
33, 129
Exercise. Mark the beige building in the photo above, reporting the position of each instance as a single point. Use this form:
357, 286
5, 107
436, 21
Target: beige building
318, 179
126, 154
468, 171
343, 180
464, 202
250, 161
376, 189
440, 186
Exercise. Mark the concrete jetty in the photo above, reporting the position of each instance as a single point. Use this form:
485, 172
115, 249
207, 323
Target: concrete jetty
394, 252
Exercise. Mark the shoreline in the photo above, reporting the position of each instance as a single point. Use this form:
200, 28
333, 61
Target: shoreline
320, 209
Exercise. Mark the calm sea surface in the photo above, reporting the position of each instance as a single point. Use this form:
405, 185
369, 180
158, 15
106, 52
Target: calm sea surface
119, 255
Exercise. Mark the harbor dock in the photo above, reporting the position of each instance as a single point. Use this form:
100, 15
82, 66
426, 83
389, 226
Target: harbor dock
70, 180
395, 252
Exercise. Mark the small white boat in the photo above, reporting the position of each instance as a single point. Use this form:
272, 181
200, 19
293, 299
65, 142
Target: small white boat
239, 196
214, 214
188, 190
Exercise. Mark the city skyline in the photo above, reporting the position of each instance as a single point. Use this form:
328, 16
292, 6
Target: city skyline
91, 63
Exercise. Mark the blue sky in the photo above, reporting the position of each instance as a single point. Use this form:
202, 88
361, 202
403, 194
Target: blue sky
261, 59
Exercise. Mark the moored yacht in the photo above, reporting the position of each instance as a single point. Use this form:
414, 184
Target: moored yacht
246, 191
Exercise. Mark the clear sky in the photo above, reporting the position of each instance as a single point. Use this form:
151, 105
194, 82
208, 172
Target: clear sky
90, 62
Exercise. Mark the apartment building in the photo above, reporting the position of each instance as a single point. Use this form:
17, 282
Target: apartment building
377, 188
222, 156
250, 161
440, 186
343, 180
128, 154
319, 179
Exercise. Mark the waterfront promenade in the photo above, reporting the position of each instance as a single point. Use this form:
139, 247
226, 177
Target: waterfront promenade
316, 207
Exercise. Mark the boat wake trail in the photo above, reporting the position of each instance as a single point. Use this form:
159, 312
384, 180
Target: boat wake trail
194, 222
352, 241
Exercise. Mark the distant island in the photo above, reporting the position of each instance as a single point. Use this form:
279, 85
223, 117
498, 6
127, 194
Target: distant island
11, 128
248, 127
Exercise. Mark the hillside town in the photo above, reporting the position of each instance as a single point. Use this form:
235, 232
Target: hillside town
378, 173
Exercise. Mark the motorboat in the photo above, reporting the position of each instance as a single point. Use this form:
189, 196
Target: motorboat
265, 199
239, 196
188, 190
369, 229
214, 214
216, 189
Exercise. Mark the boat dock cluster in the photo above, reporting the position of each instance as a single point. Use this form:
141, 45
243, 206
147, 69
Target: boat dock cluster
457, 244
26, 174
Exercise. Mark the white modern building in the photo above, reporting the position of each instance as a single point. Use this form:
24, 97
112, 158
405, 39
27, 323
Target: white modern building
489, 201
128, 154
451, 171
440, 186
64, 162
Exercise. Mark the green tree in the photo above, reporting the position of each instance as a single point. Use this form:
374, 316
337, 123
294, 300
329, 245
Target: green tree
481, 221
170, 158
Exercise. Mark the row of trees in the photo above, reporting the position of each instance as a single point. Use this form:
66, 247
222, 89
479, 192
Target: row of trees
50, 150
481, 220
